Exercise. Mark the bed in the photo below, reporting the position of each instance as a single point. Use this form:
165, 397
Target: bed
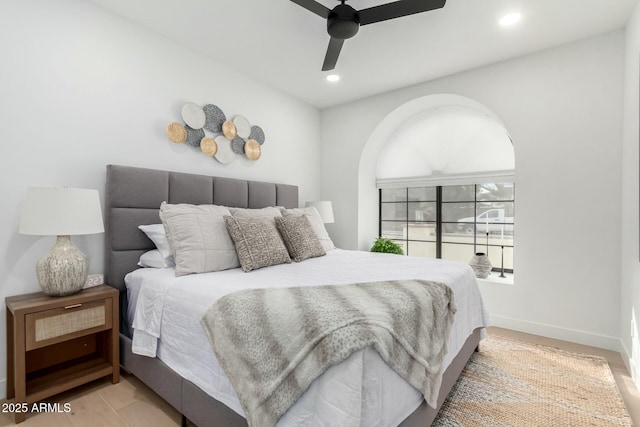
133, 197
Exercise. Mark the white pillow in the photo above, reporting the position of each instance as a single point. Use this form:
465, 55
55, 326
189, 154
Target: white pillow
198, 238
155, 232
316, 223
153, 259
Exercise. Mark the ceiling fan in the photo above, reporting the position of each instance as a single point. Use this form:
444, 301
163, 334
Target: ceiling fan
343, 21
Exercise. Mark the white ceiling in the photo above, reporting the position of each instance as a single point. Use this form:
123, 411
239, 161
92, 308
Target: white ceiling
283, 45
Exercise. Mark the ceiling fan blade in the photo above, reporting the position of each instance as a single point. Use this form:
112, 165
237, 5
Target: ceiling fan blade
314, 7
397, 9
333, 51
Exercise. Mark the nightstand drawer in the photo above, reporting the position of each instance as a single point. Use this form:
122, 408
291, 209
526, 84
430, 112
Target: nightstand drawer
61, 324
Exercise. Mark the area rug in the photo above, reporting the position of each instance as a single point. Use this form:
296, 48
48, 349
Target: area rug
513, 383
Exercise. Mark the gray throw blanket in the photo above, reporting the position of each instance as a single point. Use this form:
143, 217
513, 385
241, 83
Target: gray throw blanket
272, 343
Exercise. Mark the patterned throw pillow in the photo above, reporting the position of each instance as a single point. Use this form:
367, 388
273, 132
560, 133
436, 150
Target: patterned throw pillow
316, 223
257, 242
302, 242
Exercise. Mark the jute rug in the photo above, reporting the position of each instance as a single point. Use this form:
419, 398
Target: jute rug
512, 383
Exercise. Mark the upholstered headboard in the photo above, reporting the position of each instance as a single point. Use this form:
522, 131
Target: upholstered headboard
133, 197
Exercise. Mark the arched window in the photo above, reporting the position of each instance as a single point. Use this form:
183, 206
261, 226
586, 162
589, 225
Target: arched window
447, 186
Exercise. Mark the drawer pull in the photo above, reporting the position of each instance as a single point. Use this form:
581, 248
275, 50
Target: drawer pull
72, 306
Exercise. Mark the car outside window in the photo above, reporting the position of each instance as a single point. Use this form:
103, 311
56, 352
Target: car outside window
452, 222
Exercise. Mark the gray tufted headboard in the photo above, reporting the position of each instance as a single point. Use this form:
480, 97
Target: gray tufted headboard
133, 197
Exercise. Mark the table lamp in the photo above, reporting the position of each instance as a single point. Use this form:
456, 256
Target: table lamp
324, 208
61, 212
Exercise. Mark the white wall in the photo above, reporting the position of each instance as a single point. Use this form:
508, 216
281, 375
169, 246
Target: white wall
563, 109
81, 88
630, 295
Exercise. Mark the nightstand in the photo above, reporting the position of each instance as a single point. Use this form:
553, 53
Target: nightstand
57, 343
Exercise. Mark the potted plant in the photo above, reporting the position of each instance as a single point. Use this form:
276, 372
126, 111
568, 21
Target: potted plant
388, 246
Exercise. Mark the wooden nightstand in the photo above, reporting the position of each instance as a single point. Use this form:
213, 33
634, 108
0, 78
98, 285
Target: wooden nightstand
57, 343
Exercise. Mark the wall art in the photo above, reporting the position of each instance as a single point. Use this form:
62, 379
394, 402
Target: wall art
217, 136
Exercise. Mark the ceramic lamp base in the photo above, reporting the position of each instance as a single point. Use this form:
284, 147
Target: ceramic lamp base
63, 271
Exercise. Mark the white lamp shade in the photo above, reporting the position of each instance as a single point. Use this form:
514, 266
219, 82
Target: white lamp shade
325, 209
61, 212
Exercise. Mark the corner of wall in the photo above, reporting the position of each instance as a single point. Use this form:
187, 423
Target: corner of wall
630, 285
632, 366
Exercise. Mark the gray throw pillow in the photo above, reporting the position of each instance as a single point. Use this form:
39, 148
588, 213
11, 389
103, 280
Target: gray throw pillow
299, 237
257, 242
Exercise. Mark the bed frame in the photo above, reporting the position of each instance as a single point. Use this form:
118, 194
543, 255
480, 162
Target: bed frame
133, 197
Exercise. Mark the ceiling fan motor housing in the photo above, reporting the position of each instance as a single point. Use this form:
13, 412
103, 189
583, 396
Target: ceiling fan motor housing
343, 22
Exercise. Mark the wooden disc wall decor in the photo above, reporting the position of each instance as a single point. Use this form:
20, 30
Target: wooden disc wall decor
252, 150
176, 132
208, 129
208, 146
229, 130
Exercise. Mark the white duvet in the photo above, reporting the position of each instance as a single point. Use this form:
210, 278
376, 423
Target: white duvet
165, 312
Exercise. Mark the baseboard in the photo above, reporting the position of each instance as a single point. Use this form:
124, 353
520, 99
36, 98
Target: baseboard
565, 334
3, 389
630, 364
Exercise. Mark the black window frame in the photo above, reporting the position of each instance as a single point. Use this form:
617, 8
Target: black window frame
439, 223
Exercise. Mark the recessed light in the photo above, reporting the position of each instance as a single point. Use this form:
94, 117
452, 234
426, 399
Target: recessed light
510, 19
333, 77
